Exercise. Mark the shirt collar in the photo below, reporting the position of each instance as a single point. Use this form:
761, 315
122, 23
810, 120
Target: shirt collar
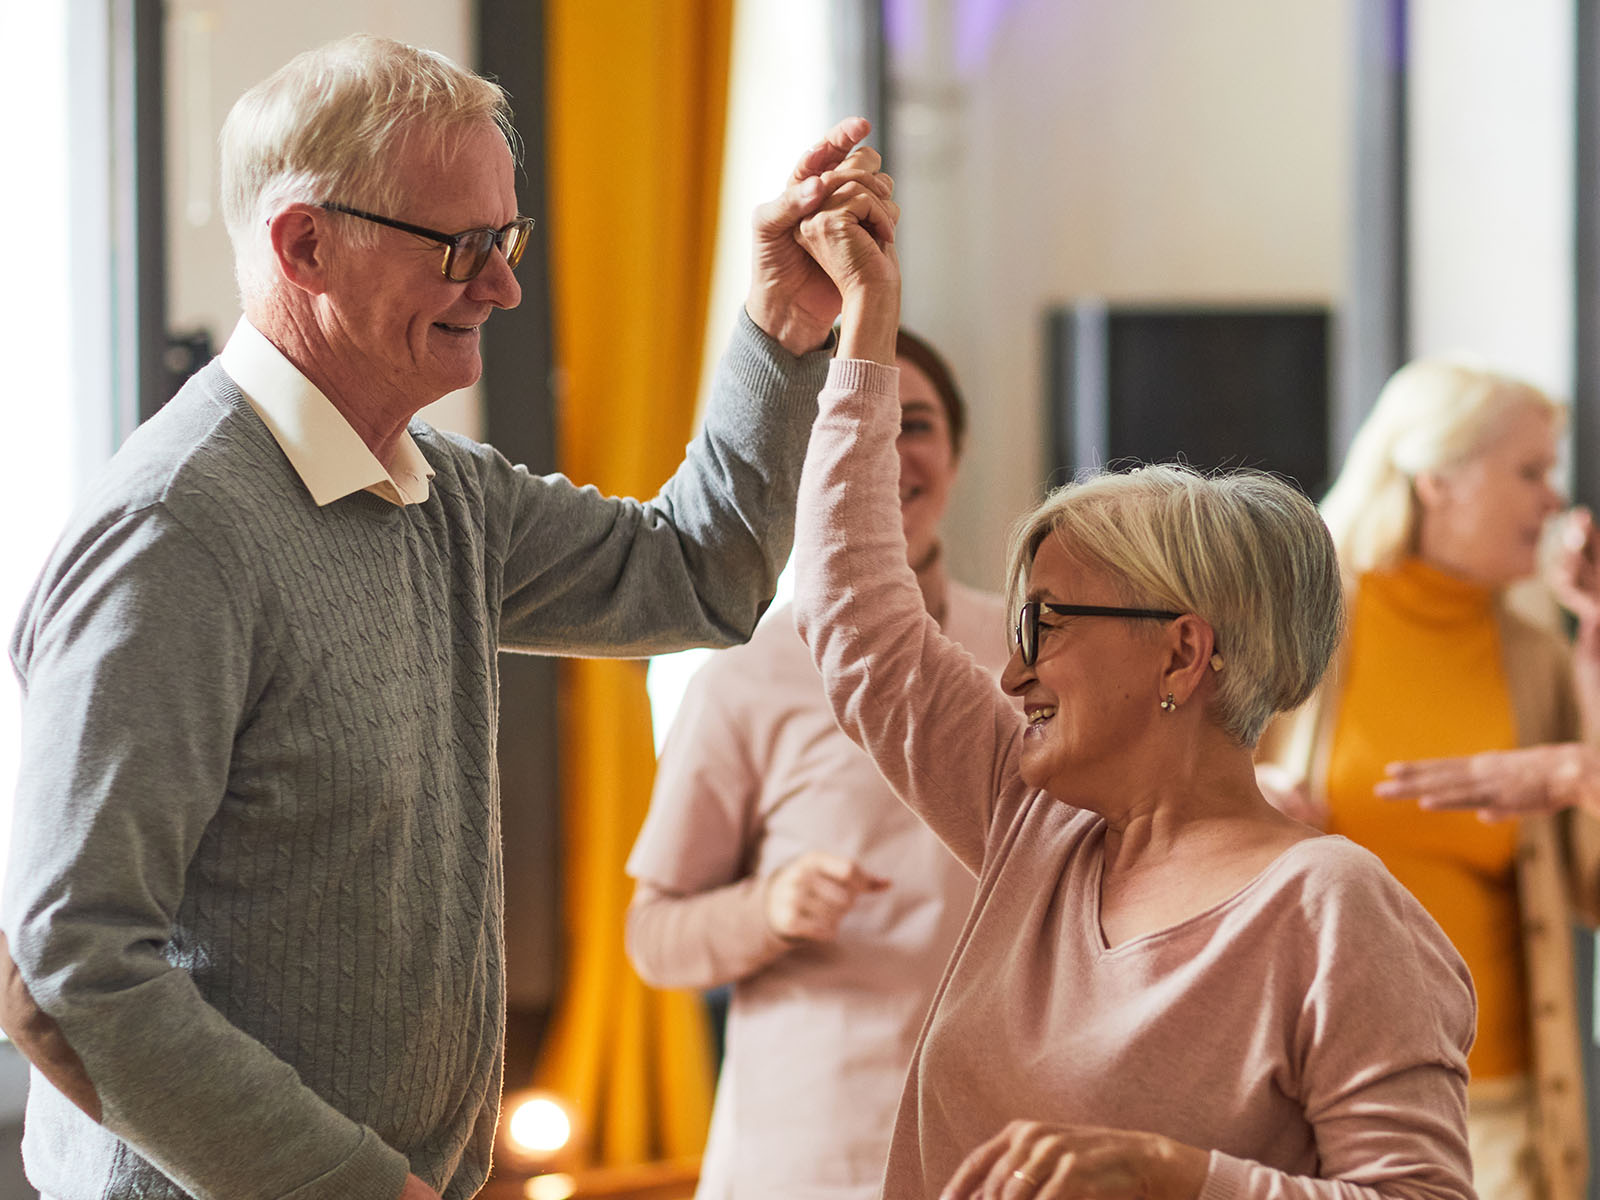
325, 451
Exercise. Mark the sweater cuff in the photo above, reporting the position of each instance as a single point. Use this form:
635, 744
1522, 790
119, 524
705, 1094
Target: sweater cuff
864, 375
375, 1171
759, 366
1225, 1177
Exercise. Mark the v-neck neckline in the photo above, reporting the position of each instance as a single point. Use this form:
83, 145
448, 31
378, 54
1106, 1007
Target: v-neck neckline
1089, 905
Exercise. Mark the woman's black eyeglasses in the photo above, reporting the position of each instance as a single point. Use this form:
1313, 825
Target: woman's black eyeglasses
466, 253
1027, 631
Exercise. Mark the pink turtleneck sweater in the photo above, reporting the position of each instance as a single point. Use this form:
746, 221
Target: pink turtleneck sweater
1310, 1031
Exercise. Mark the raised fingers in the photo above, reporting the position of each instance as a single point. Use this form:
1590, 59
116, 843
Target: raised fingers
836, 145
1425, 776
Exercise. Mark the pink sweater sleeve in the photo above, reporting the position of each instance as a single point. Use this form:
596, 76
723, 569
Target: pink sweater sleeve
1380, 1048
936, 723
698, 916
700, 941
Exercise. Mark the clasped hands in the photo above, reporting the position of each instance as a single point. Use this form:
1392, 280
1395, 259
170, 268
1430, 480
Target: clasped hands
828, 239
829, 233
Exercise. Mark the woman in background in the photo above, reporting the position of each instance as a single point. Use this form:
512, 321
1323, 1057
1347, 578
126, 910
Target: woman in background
1438, 511
775, 858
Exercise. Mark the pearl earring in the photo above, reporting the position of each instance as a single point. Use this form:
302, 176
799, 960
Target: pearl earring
1169, 703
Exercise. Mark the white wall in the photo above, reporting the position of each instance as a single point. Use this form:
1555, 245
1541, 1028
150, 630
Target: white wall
1131, 149
216, 50
1491, 183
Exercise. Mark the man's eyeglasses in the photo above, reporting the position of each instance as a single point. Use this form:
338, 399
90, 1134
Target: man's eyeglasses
1027, 631
466, 253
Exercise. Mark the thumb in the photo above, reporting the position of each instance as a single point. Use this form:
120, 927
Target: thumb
861, 880
785, 210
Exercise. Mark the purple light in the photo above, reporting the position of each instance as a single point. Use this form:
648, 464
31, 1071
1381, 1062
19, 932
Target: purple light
977, 22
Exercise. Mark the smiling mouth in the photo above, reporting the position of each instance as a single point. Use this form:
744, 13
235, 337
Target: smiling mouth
456, 329
1039, 716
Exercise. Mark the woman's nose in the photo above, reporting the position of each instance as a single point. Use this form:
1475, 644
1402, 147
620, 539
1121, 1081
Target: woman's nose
1017, 673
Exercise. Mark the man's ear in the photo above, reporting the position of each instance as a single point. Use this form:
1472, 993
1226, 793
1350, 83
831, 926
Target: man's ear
300, 246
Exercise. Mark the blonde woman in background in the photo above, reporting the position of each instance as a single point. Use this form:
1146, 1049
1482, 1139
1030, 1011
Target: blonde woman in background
1439, 510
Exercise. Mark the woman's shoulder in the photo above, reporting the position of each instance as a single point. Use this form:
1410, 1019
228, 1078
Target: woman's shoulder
1348, 903
1328, 867
1338, 890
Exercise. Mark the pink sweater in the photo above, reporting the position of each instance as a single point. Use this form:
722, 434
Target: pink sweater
754, 773
1310, 1031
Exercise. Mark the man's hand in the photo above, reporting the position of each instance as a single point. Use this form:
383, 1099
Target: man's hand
1501, 784
1031, 1161
791, 297
415, 1189
810, 895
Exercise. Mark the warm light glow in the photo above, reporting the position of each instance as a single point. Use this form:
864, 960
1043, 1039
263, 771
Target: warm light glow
550, 1187
540, 1126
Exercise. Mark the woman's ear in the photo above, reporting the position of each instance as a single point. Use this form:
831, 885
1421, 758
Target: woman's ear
1432, 488
1191, 647
300, 247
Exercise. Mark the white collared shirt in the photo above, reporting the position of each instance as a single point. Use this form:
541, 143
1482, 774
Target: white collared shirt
324, 449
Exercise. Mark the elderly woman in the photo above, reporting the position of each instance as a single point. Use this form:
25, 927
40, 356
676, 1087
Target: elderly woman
1166, 988
776, 859
1437, 513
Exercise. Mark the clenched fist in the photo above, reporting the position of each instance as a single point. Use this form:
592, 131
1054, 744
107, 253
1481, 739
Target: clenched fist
810, 895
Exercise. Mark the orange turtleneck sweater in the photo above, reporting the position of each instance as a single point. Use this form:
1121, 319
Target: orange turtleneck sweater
1425, 678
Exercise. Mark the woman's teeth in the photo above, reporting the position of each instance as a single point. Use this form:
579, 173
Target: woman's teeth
1040, 715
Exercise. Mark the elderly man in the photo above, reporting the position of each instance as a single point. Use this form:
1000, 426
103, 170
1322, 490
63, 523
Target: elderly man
252, 914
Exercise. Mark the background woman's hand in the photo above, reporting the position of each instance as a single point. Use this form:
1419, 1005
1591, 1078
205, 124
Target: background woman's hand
1574, 576
1501, 784
1575, 570
810, 895
1029, 1160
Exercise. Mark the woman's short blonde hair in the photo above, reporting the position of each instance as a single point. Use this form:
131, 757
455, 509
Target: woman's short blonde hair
329, 124
1432, 415
1243, 551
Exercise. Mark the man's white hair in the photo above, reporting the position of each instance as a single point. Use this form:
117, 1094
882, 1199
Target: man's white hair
329, 124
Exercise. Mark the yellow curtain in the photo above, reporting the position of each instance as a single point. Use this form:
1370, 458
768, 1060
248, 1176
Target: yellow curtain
635, 111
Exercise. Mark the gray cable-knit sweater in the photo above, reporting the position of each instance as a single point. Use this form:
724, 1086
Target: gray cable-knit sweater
255, 874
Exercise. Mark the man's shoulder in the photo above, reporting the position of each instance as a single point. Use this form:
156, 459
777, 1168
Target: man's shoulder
205, 444
204, 464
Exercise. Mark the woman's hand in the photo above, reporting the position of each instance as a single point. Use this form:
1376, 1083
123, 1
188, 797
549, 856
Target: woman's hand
1575, 571
1028, 1160
1574, 576
851, 238
1501, 784
810, 895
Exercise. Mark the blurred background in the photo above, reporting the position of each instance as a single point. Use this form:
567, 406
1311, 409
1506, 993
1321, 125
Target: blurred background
1136, 227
